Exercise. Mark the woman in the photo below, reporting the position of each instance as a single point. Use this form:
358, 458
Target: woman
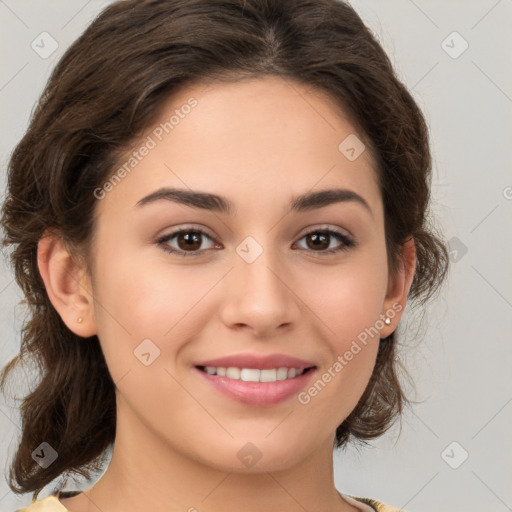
219, 213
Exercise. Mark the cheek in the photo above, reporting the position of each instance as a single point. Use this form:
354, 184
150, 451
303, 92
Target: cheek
137, 300
348, 300
348, 304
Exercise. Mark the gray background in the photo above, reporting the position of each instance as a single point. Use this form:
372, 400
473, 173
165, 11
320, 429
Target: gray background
461, 358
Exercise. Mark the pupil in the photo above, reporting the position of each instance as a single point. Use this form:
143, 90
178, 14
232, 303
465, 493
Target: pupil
192, 240
319, 240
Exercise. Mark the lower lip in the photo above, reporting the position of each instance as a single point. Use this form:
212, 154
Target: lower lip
258, 393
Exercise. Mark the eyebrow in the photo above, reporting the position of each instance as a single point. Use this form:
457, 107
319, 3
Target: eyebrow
216, 203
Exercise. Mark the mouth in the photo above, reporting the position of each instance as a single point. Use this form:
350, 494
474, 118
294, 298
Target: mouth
258, 387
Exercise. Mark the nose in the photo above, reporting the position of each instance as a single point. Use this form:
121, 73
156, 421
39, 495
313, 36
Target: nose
259, 296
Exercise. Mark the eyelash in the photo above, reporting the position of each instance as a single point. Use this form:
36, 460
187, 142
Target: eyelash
347, 242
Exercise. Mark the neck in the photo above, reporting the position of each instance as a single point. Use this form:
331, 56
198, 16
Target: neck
146, 473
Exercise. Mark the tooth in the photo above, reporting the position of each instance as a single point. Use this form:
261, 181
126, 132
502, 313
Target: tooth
255, 374
250, 374
233, 372
268, 375
282, 373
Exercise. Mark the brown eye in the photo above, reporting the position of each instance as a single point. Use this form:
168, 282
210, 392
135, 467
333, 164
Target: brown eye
188, 242
320, 241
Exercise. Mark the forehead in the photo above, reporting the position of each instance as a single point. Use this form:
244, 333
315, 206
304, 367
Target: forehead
259, 138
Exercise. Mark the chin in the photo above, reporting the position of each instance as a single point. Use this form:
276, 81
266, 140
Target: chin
256, 456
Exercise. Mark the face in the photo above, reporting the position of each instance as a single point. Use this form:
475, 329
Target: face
176, 285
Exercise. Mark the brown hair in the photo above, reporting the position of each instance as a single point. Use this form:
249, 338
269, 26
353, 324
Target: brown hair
106, 89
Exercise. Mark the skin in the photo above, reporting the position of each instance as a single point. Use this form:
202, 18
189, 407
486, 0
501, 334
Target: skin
258, 143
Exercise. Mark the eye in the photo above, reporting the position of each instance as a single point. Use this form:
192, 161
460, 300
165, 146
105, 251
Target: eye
189, 241
321, 239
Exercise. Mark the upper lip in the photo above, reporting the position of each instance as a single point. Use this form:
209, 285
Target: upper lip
257, 361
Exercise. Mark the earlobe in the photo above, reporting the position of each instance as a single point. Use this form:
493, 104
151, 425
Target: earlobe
67, 285
399, 287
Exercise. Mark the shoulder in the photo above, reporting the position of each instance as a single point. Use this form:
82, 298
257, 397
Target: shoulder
377, 505
48, 504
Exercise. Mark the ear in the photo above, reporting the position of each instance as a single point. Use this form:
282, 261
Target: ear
398, 288
67, 285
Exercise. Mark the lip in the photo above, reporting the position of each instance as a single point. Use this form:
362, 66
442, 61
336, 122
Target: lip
257, 393
256, 361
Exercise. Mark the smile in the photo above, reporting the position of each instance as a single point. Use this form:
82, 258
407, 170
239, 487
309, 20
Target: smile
256, 387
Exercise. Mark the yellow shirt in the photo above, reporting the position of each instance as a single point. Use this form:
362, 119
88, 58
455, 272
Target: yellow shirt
52, 504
